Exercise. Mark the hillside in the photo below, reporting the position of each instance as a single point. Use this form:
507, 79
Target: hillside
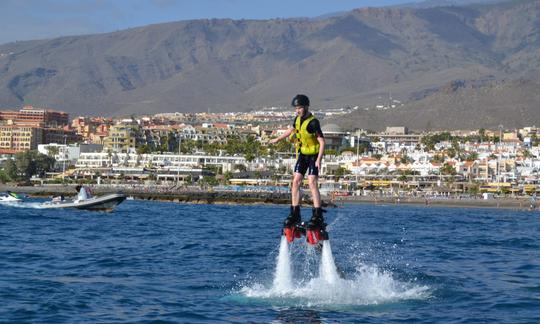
458, 105
227, 65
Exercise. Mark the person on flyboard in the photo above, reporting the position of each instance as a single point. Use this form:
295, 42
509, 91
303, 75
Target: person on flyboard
308, 138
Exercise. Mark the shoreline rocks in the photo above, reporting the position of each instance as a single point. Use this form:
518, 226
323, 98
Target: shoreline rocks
198, 196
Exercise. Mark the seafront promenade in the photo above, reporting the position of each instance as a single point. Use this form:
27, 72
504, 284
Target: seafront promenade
161, 193
197, 195
520, 203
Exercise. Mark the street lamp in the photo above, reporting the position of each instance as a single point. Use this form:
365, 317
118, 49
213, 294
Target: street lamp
499, 155
357, 157
178, 161
64, 159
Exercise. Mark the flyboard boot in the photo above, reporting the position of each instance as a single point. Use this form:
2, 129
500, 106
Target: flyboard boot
316, 228
291, 226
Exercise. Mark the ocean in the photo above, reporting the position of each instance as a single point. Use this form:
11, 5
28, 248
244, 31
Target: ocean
182, 263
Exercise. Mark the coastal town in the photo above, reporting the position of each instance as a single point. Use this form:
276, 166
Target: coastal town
230, 151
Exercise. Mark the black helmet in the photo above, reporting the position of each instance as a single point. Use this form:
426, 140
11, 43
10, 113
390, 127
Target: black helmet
300, 100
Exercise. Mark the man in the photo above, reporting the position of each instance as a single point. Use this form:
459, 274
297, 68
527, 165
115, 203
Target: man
309, 141
83, 193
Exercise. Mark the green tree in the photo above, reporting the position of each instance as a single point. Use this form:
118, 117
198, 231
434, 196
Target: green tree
429, 142
162, 144
402, 177
53, 151
451, 153
227, 176
28, 163
44, 163
188, 146
482, 134
471, 156
437, 159
340, 172
474, 189
534, 140
10, 169
172, 142
249, 147
144, 149
209, 181
363, 147
233, 145
240, 167
211, 148
4, 177
405, 159
448, 169
26, 166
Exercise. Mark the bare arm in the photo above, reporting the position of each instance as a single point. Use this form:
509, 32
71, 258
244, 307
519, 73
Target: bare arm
321, 152
287, 133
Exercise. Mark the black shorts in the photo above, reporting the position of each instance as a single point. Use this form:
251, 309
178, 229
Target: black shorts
306, 163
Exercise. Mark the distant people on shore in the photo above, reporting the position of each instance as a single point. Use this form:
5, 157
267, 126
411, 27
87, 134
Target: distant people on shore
533, 202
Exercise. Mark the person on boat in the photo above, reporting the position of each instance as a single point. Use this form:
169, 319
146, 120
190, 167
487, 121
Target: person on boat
58, 199
83, 193
308, 137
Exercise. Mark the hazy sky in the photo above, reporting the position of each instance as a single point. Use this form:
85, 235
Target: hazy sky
38, 19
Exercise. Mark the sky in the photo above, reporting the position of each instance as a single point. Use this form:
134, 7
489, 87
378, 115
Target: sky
40, 19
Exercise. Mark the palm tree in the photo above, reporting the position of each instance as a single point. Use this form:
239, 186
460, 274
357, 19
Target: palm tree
53, 151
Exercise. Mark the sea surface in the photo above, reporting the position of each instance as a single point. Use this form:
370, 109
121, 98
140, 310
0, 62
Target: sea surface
180, 263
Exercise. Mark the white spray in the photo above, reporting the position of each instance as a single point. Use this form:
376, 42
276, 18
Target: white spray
328, 269
283, 276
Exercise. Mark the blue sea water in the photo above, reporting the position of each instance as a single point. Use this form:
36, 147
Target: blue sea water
178, 263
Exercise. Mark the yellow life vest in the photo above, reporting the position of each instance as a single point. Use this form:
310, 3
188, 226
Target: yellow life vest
305, 142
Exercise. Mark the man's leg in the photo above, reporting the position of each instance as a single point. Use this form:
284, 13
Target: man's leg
314, 188
295, 189
290, 226
294, 216
317, 217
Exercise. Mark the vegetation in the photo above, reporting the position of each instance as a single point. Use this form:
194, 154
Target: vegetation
340, 172
471, 157
27, 164
377, 156
448, 169
330, 152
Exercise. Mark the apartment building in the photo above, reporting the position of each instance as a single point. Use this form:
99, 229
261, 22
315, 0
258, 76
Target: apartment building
37, 117
20, 138
27, 128
122, 138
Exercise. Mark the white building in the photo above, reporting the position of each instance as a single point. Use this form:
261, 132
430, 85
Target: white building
163, 161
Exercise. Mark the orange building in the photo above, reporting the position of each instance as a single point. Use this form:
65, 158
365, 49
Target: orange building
37, 117
27, 128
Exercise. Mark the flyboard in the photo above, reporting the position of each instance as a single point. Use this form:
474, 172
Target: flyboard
316, 236
315, 233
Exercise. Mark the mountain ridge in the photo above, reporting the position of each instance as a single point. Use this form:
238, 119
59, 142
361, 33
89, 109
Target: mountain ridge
238, 65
